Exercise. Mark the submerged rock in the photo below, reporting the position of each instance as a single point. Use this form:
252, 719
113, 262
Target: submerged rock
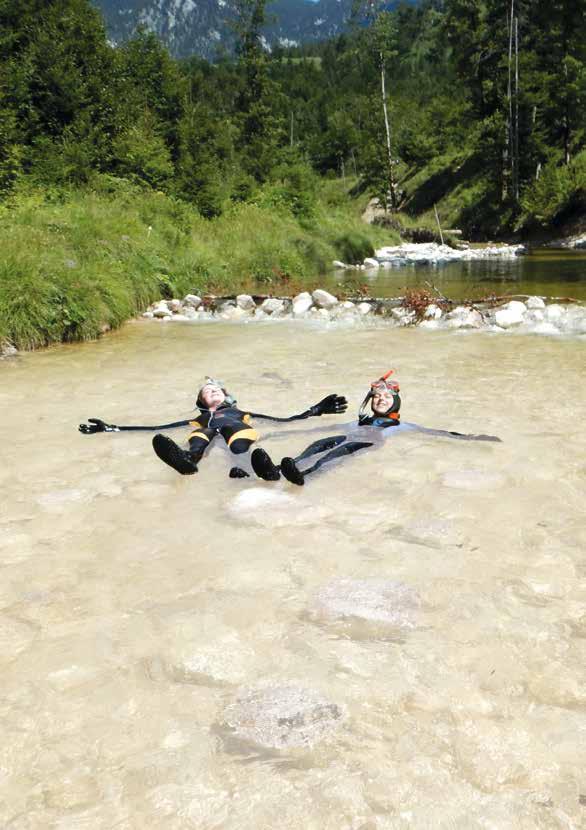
282, 717
395, 605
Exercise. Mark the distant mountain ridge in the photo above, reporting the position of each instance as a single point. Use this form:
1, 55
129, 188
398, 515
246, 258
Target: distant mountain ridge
201, 27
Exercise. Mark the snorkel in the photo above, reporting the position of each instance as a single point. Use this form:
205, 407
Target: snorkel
229, 399
383, 384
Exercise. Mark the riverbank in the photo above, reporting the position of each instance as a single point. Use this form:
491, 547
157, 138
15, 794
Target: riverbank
79, 263
526, 315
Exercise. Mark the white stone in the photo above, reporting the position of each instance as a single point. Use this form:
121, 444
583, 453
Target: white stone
371, 262
429, 324
260, 314
245, 302
535, 302
471, 319
512, 314
174, 305
535, 315
433, 312
337, 264
302, 303
554, 312
348, 305
273, 306
179, 318
148, 314
282, 717
324, 299
192, 300
190, 312
364, 308
161, 310
231, 312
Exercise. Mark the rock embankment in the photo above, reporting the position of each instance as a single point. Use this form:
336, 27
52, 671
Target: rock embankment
430, 253
530, 315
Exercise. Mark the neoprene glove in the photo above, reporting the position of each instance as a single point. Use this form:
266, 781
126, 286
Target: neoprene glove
95, 425
330, 405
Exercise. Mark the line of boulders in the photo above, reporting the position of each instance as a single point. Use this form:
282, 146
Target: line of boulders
532, 315
430, 253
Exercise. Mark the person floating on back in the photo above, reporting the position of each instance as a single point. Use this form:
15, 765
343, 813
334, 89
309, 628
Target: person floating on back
218, 415
370, 430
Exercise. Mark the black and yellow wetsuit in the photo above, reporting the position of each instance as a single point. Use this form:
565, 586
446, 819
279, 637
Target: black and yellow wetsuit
232, 423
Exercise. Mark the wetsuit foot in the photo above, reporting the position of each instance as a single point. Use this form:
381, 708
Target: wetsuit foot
291, 472
238, 472
169, 452
263, 465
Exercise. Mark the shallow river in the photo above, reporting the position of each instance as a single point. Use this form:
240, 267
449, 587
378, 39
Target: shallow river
549, 272
182, 652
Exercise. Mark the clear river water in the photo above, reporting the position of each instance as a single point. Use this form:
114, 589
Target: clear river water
401, 643
544, 271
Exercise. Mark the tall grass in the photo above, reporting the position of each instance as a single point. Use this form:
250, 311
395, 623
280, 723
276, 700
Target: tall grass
75, 263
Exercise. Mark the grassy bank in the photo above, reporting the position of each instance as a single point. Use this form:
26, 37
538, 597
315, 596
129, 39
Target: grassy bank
75, 263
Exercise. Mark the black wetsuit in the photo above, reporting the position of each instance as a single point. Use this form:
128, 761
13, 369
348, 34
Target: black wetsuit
369, 431
232, 423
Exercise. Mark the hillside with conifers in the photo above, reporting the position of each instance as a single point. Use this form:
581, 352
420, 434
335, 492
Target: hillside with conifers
127, 175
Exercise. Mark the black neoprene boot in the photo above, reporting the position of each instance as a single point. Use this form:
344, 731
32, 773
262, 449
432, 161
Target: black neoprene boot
172, 454
263, 465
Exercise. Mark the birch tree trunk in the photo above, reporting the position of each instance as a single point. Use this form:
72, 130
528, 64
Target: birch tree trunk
392, 196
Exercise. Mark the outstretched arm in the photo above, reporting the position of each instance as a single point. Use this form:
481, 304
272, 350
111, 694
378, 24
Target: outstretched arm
96, 425
330, 405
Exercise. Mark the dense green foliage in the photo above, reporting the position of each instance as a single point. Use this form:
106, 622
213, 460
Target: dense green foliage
508, 103
71, 267
486, 121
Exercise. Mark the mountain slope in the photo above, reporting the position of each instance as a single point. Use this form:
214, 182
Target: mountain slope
202, 27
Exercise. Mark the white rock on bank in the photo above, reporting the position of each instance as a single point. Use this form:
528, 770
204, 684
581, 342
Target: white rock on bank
512, 314
364, 308
273, 306
161, 310
232, 312
192, 300
554, 313
370, 262
174, 305
148, 314
337, 264
464, 318
323, 299
302, 303
282, 717
535, 302
245, 302
433, 312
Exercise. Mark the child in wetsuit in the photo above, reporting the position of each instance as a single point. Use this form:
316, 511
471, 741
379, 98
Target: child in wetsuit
218, 415
369, 431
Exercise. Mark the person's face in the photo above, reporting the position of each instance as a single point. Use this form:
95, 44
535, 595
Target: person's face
382, 401
212, 396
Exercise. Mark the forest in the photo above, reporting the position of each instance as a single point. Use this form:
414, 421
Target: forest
474, 108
